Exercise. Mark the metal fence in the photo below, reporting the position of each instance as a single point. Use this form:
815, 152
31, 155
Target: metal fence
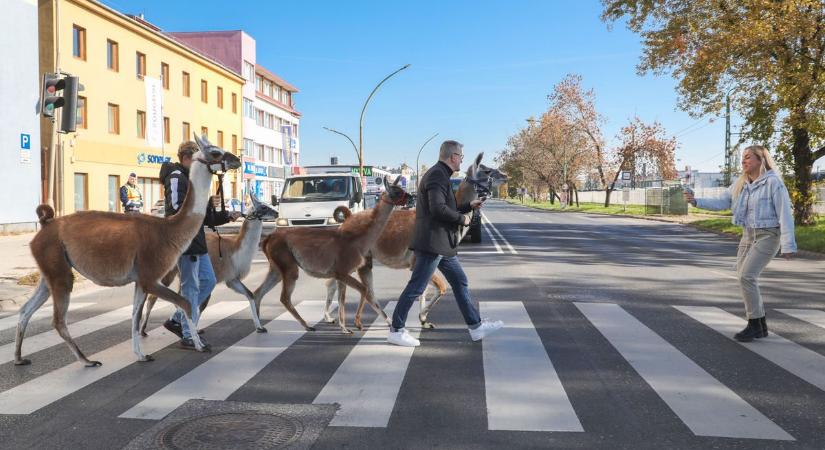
666, 200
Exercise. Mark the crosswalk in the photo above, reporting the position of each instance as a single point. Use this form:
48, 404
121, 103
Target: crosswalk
524, 388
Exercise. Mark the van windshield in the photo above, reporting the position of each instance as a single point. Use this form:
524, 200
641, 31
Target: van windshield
316, 189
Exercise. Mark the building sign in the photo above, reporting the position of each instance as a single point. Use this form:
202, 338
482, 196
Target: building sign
154, 112
145, 158
367, 171
260, 171
288, 145
248, 167
25, 141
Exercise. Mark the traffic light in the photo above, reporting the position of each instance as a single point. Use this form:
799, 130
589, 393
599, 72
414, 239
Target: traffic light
70, 89
50, 99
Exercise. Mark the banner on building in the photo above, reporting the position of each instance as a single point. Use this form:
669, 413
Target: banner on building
286, 130
154, 112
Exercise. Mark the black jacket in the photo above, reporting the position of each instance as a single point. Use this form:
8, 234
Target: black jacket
437, 217
175, 179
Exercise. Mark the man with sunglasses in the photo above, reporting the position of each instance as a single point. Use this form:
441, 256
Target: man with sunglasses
436, 238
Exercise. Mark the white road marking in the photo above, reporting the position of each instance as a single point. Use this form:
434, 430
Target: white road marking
704, 404
46, 310
28, 397
812, 316
503, 239
366, 384
523, 390
220, 376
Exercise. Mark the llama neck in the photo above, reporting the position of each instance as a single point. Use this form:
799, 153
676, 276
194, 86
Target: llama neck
250, 235
381, 216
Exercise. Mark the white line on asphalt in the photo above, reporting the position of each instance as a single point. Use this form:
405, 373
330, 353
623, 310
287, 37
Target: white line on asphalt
220, 376
506, 242
522, 388
796, 359
812, 316
727, 275
28, 397
50, 338
704, 404
492, 237
366, 384
46, 310
481, 252
260, 261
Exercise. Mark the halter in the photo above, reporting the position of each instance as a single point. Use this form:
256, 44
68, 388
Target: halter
400, 202
220, 170
482, 189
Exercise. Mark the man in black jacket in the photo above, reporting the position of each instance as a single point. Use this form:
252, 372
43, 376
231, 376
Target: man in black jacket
197, 277
437, 219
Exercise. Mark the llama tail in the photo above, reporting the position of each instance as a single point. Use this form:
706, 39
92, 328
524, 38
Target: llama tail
45, 214
343, 210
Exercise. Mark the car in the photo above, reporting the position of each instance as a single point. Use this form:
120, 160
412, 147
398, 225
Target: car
474, 234
159, 209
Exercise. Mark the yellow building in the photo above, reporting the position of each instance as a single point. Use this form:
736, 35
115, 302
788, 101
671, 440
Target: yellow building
112, 54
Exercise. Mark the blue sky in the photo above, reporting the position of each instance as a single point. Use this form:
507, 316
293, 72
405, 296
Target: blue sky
479, 69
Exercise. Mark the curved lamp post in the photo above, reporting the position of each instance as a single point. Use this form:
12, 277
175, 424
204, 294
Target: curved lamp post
361, 120
417, 166
348, 138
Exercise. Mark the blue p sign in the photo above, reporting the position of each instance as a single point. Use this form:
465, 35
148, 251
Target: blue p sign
25, 141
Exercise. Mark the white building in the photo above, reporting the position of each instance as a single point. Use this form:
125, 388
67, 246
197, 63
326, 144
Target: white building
20, 185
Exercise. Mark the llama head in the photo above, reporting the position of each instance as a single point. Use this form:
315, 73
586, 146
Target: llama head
394, 193
214, 157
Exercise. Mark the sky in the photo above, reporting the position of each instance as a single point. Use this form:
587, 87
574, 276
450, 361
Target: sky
478, 70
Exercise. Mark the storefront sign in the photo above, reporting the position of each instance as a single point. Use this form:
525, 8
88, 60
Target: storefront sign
248, 167
367, 171
260, 171
145, 158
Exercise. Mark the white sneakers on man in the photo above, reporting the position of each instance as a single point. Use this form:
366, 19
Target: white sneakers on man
486, 327
403, 338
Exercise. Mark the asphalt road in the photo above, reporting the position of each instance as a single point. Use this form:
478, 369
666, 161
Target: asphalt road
617, 336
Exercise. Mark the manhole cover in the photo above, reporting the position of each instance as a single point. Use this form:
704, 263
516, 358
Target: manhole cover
232, 430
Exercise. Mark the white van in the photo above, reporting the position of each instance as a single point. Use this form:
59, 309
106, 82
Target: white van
309, 200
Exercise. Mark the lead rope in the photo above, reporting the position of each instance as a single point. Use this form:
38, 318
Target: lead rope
223, 210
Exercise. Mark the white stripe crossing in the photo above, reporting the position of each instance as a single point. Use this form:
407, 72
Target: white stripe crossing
492, 236
220, 376
812, 316
46, 310
367, 383
506, 242
703, 403
51, 338
28, 397
796, 359
523, 390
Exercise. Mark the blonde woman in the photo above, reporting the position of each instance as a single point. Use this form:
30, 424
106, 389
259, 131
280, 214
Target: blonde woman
761, 205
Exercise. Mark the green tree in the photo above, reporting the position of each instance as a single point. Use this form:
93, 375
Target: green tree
769, 54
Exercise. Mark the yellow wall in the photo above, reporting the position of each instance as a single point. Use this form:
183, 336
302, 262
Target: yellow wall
97, 152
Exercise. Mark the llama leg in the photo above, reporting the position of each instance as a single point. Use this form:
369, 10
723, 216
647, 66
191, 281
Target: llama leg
181, 302
286, 296
273, 277
62, 292
441, 289
237, 286
361, 288
137, 309
342, 307
41, 294
150, 301
365, 273
332, 288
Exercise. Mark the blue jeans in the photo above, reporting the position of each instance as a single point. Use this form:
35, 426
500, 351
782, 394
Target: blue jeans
197, 279
425, 265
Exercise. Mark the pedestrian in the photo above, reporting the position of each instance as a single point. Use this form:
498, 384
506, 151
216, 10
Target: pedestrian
197, 277
130, 196
762, 206
437, 219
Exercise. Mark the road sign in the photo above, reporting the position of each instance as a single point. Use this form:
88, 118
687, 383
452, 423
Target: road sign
25, 141
625, 175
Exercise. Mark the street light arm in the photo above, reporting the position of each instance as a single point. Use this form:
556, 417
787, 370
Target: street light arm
417, 167
348, 138
364, 109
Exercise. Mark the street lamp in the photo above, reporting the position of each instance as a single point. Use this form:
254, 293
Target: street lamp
361, 121
417, 166
348, 138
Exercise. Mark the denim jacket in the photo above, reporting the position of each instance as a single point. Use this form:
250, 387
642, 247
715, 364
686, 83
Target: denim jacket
764, 203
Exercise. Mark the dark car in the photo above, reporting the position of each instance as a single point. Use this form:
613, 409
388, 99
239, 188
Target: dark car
475, 223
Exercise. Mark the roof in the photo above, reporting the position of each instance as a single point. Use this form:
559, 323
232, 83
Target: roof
278, 80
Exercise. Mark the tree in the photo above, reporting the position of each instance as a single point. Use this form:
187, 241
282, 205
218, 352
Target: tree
640, 144
769, 54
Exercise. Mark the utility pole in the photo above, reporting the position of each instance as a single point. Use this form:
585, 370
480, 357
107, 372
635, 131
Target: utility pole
728, 169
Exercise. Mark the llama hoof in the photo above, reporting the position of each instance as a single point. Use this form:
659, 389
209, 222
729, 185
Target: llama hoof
261, 330
146, 358
427, 325
346, 331
310, 328
94, 364
144, 334
329, 320
22, 362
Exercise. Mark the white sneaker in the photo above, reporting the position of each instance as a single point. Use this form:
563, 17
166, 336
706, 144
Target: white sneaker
486, 327
403, 338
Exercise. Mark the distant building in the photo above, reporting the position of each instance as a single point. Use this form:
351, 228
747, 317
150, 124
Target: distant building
700, 180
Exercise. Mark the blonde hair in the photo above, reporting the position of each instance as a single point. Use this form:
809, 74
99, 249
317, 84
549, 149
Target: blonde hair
764, 156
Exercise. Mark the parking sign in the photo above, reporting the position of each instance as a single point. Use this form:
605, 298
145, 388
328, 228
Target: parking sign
25, 141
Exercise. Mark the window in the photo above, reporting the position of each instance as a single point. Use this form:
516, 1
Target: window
114, 193
220, 97
248, 149
259, 84
112, 57
259, 151
114, 119
205, 132
164, 75
141, 124
81, 191
234, 103
185, 130
81, 113
166, 137
294, 130
79, 42
220, 138
234, 143
140, 65
248, 71
185, 84
259, 117
204, 91
248, 109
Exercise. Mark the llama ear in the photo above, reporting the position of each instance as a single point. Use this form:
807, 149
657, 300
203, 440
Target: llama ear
386, 184
397, 180
201, 144
256, 204
478, 159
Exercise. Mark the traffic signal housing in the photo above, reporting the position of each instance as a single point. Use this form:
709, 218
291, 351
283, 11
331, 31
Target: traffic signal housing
70, 89
51, 98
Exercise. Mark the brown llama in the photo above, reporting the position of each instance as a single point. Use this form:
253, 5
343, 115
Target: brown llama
327, 252
102, 248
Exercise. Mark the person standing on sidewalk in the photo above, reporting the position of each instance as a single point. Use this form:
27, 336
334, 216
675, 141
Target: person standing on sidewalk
197, 277
762, 206
437, 218
130, 196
